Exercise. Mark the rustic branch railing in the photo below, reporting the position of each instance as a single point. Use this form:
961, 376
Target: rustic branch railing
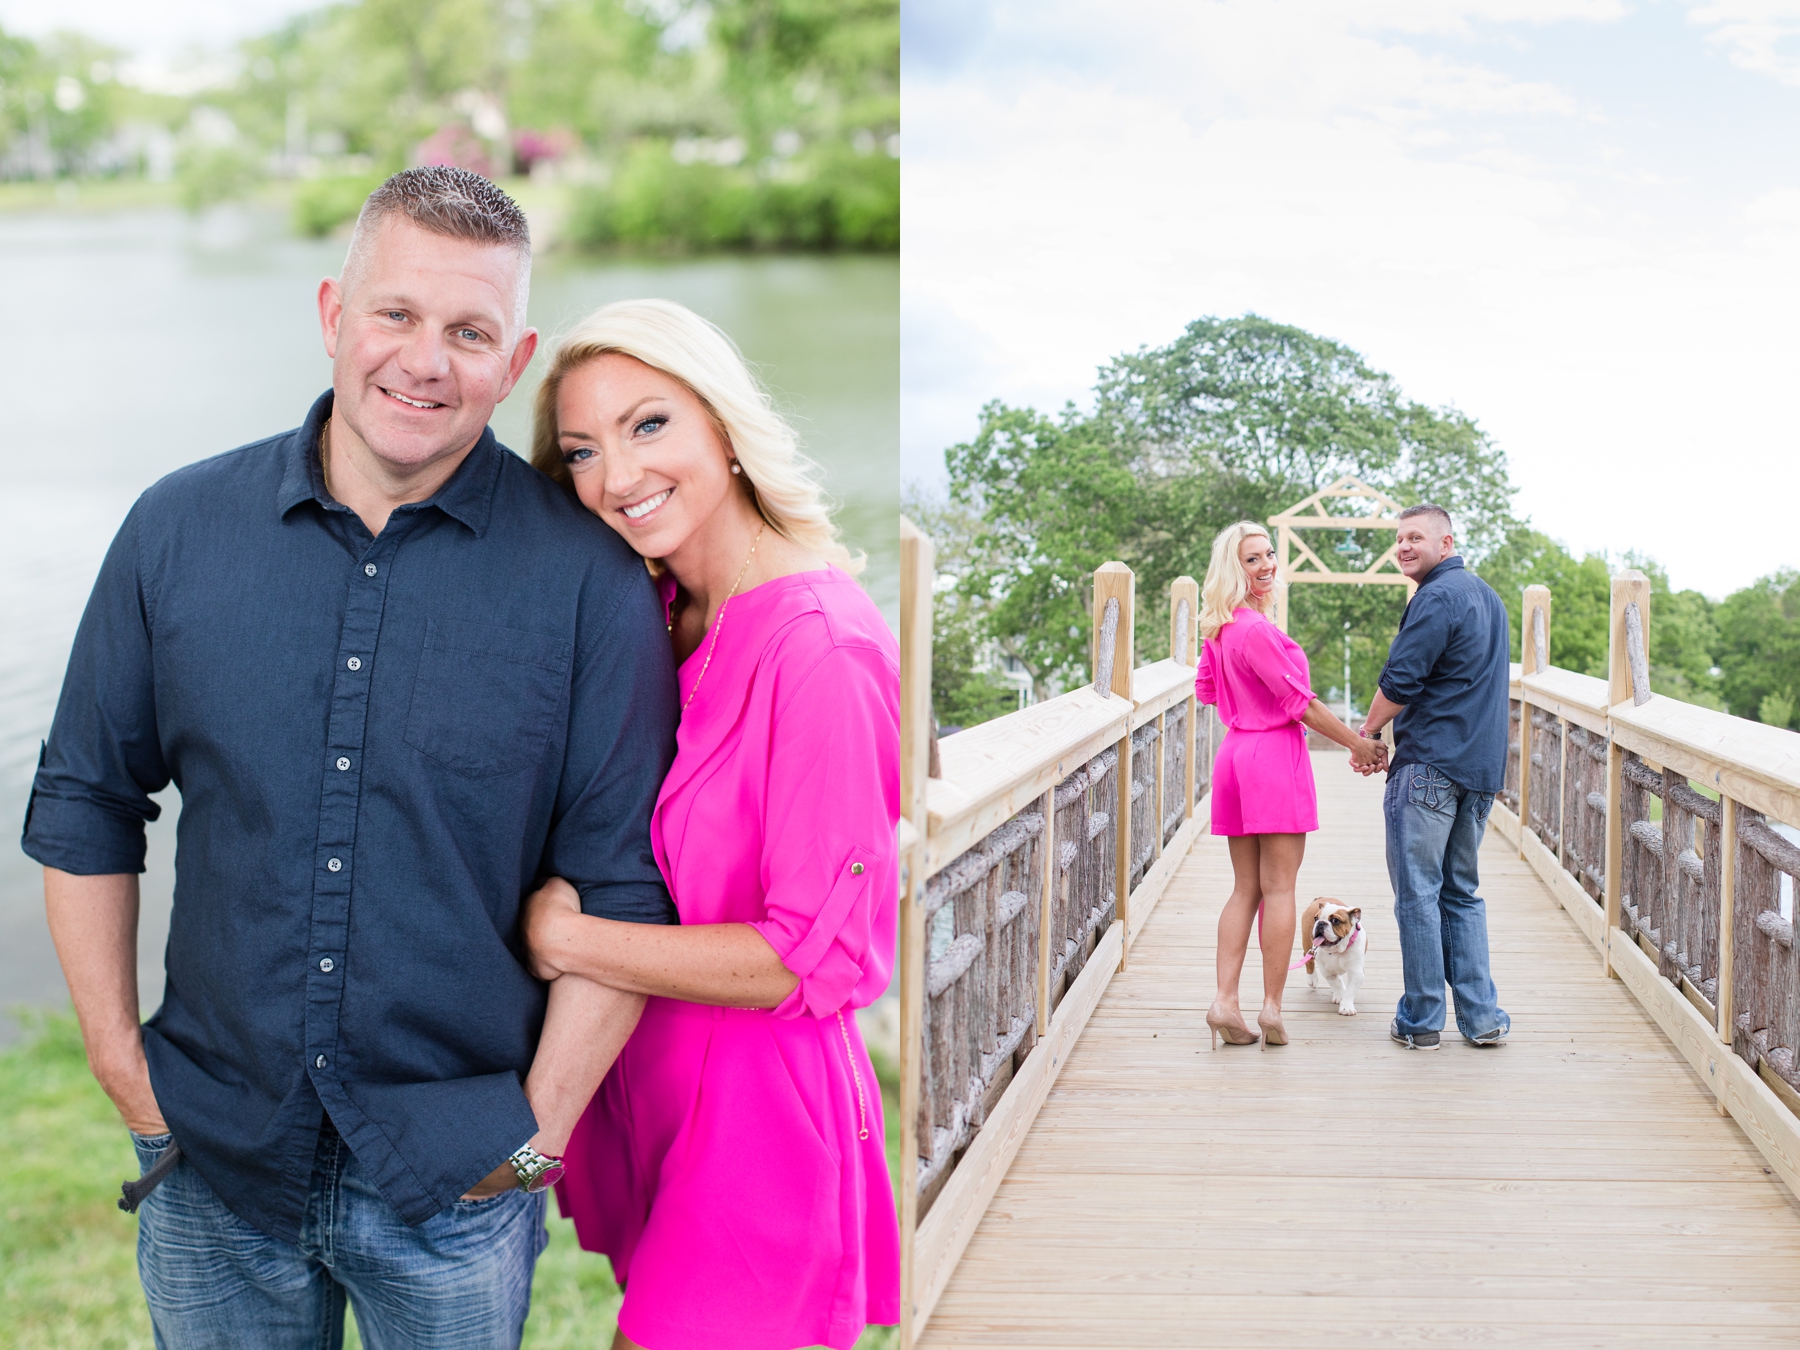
1654, 823
1028, 867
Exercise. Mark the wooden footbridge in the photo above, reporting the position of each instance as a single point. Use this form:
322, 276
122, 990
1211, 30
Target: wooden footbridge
1080, 1169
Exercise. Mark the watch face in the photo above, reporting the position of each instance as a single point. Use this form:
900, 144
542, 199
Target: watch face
547, 1178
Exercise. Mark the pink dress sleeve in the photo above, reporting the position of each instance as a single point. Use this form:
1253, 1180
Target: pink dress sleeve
1206, 679
828, 857
1281, 666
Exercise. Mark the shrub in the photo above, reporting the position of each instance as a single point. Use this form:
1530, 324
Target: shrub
1776, 710
322, 204
208, 175
831, 199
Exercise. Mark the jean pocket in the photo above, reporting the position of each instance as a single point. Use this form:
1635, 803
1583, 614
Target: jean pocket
486, 698
483, 1203
1430, 789
1484, 803
150, 1146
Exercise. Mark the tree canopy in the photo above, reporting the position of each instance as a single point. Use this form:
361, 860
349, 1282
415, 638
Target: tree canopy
1235, 419
1238, 419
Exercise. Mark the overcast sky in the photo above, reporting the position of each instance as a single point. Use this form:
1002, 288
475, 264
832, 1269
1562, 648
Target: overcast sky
159, 31
1576, 220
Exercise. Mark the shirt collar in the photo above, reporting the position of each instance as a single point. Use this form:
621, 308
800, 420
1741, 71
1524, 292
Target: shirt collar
468, 497
1453, 563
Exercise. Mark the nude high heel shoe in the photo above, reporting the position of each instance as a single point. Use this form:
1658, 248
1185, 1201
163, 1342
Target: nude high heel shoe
1273, 1033
1232, 1029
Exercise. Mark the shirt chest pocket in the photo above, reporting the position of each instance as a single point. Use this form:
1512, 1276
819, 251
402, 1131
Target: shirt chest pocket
487, 698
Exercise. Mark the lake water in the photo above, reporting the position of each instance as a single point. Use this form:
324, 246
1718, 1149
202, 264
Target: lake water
137, 342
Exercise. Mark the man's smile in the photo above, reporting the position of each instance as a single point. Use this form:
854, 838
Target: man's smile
409, 402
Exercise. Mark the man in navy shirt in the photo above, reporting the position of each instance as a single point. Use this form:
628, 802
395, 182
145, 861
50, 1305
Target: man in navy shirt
397, 676
1444, 687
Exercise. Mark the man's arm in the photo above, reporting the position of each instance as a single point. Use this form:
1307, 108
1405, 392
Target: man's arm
1423, 635
585, 1027
93, 921
1382, 710
621, 741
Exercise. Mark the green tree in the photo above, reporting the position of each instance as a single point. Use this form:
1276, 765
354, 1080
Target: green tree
1237, 418
1759, 632
963, 691
1056, 498
1776, 709
823, 69
1580, 596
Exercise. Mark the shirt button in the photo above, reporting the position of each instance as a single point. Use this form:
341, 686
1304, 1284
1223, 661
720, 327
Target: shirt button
343, 763
368, 569
355, 663
856, 869
319, 1063
334, 865
326, 964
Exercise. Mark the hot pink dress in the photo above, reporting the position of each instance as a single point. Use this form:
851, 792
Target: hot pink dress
1262, 778
731, 1165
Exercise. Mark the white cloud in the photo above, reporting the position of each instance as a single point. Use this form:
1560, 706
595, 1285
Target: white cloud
1760, 35
1496, 242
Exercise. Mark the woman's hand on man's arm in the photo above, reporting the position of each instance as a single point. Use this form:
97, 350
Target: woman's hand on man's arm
546, 928
726, 964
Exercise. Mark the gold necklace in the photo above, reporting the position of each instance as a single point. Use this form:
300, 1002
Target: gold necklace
719, 619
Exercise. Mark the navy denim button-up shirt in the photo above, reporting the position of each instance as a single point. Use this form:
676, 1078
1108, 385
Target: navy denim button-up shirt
380, 743
1450, 666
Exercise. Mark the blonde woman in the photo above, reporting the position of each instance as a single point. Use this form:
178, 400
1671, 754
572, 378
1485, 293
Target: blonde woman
732, 1164
1263, 799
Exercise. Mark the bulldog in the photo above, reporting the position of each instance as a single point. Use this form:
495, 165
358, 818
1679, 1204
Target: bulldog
1337, 943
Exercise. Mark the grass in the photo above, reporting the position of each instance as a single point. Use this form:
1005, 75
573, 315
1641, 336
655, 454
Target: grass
68, 1269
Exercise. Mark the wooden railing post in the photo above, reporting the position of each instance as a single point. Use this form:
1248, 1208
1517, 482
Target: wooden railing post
1115, 589
1534, 659
1727, 914
1628, 644
1184, 643
917, 573
1534, 634
1628, 671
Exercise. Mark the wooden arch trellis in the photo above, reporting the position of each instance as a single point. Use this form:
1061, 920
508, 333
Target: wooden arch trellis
1300, 564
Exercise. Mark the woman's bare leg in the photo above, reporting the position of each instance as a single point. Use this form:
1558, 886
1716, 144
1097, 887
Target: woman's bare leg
623, 1342
1237, 917
1278, 859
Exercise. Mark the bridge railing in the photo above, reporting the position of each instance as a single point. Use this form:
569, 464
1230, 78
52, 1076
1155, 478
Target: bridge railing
1658, 825
1033, 848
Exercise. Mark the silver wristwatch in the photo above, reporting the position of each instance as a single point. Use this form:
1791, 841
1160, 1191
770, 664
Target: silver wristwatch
536, 1172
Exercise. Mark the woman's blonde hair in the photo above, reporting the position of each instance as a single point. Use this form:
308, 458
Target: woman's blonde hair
782, 482
1227, 585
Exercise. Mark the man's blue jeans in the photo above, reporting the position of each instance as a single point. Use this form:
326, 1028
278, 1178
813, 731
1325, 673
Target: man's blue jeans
1434, 831
459, 1281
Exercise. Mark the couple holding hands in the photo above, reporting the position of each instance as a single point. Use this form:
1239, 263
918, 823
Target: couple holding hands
1444, 689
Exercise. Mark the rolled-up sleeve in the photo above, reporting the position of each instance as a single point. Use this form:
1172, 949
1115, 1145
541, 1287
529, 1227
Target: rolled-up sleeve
1420, 642
1206, 680
1280, 670
621, 743
91, 796
832, 807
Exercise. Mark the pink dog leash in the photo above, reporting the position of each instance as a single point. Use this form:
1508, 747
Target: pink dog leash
1317, 947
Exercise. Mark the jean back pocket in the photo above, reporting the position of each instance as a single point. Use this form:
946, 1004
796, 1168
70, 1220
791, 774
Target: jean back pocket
486, 698
1431, 789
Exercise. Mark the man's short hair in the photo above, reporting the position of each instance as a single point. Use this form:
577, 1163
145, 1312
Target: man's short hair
451, 202
1429, 509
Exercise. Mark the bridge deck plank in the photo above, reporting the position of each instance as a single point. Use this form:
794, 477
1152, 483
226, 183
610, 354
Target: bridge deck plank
1573, 1188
